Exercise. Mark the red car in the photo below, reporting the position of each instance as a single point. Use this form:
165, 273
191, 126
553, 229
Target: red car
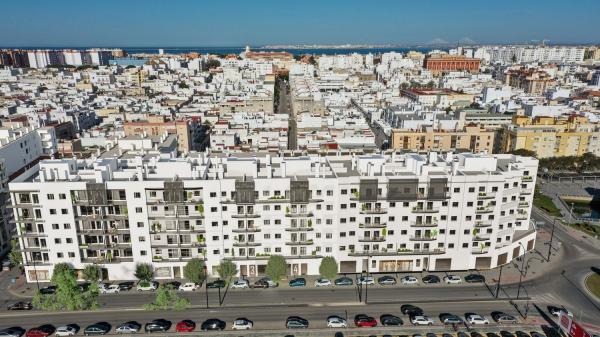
41, 331
362, 321
185, 326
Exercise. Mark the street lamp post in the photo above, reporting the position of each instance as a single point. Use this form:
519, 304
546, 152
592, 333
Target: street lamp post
206, 284
37, 282
499, 280
521, 271
551, 239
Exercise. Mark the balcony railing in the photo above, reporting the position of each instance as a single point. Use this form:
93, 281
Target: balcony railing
481, 224
476, 250
486, 195
422, 238
377, 210
417, 209
299, 214
371, 239
424, 224
484, 209
372, 225
300, 243
481, 237
396, 252
298, 228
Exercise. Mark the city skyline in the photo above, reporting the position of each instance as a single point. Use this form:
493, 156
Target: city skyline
188, 24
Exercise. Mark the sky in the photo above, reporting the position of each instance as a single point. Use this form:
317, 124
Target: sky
172, 23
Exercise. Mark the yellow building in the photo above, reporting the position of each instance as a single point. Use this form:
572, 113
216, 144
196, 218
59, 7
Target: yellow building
552, 137
473, 138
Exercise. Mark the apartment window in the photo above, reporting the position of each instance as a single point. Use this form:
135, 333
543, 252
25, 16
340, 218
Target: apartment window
342, 248
390, 232
69, 240
392, 218
137, 195
443, 217
213, 209
344, 192
342, 234
224, 208
277, 207
59, 255
329, 193
319, 192
267, 250
456, 190
55, 226
452, 232
318, 235
143, 253
266, 193
351, 233
140, 224
318, 207
266, 222
455, 204
405, 204
214, 223
342, 220
277, 249
329, 207
50, 196
57, 241
53, 211
328, 235
64, 211
328, 250
403, 232
142, 239
343, 206
470, 204
138, 210
471, 189
328, 222
392, 204
352, 219
404, 218
444, 203
466, 231
67, 226
62, 196
278, 221
266, 208
450, 245
213, 194
216, 252
71, 254
352, 205
277, 236
267, 236
453, 218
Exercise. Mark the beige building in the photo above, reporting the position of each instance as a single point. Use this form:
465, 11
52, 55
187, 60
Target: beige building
157, 125
530, 80
472, 137
552, 137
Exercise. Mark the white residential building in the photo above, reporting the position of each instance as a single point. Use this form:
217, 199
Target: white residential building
379, 213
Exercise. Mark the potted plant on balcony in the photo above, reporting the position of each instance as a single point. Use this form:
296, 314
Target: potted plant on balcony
482, 247
200, 209
384, 232
287, 210
309, 223
109, 256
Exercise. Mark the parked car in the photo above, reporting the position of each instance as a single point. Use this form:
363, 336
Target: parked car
242, 324
20, 306
185, 326
213, 324
503, 318
429, 279
240, 284
157, 325
12, 332
556, 311
446, 318
126, 286
322, 282
270, 283
386, 280
474, 278
128, 327
173, 285
84, 286
476, 319
411, 310
297, 282
100, 328
390, 320
216, 284
260, 284
147, 286
409, 280
41, 331
189, 286
336, 322
49, 290
368, 280
505, 333
343, 281
452, 279
66, 330
362, 320
421, 320
109, 288
521, 334
296, 322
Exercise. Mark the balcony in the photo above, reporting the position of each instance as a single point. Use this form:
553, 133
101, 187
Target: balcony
300, 243
433, 196
417, 209
372, 225
522, 215
476, 251
371, 239
484, 209
246, 244
526, 191
298, 228
486, 195
422, 238
423, 224
246, 230
523, 204
482, 224
245, 215
527, 179
103, 260
398, 252
299, 214
481, 237
31, 234
377, 210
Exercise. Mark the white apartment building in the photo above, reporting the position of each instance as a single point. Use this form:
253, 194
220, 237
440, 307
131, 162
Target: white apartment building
380, 213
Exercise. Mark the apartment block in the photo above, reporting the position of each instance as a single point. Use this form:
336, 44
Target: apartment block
379, 212
473, 138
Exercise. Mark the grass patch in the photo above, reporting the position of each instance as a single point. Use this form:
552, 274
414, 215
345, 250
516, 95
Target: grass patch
587, 228
545, 202
592, 282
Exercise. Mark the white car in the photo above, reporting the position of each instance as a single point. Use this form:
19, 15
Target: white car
477, 319
65, 330
409, 280
421, 320
189, 286
322, 282
336, 322
452, 279
242, 324
240, 284
365, 280
147, 286
128, 327
109, 288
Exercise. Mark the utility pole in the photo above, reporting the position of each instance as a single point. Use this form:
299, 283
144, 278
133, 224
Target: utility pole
521, 272
499, 279
551, 239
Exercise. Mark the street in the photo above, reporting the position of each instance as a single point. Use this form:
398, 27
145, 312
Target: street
285, 107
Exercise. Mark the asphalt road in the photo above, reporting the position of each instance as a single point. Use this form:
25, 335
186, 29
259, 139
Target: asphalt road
285, 107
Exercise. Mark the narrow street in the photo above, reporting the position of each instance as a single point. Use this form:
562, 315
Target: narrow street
285, 107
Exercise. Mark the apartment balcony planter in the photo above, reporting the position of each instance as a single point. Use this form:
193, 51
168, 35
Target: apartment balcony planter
245, 216
246, 230
299, 215
273, 200
527, 179
481, 237
371, 239
425, 209
373, 211
423, 224
482, 224
246, 244
486, 196
298, 229
483, 210
422, 238
372, 225
299, 243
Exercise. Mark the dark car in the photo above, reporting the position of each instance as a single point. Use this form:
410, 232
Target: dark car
503, 318
126, 286
362, 321
216, 284
505, 333
49, 290
298, 282
212, 324
173, 285
386, 280
390, 320
343, 281
158, 325
20, 306
84, 286
431, 279
260, 284
476, 334
492, 334
14, 331
474, 278
41, 331
100, 328
295, 322
447, 318
522, 334
411, 310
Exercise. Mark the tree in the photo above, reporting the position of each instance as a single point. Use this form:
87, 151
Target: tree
15, 257
144, 271
328, 267
194, 271
91, 273
167, 299
523, 152
183, 85
210, 64
67, 295
276, 267
226, 269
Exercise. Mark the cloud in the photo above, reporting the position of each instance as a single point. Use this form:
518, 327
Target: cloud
467, 40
